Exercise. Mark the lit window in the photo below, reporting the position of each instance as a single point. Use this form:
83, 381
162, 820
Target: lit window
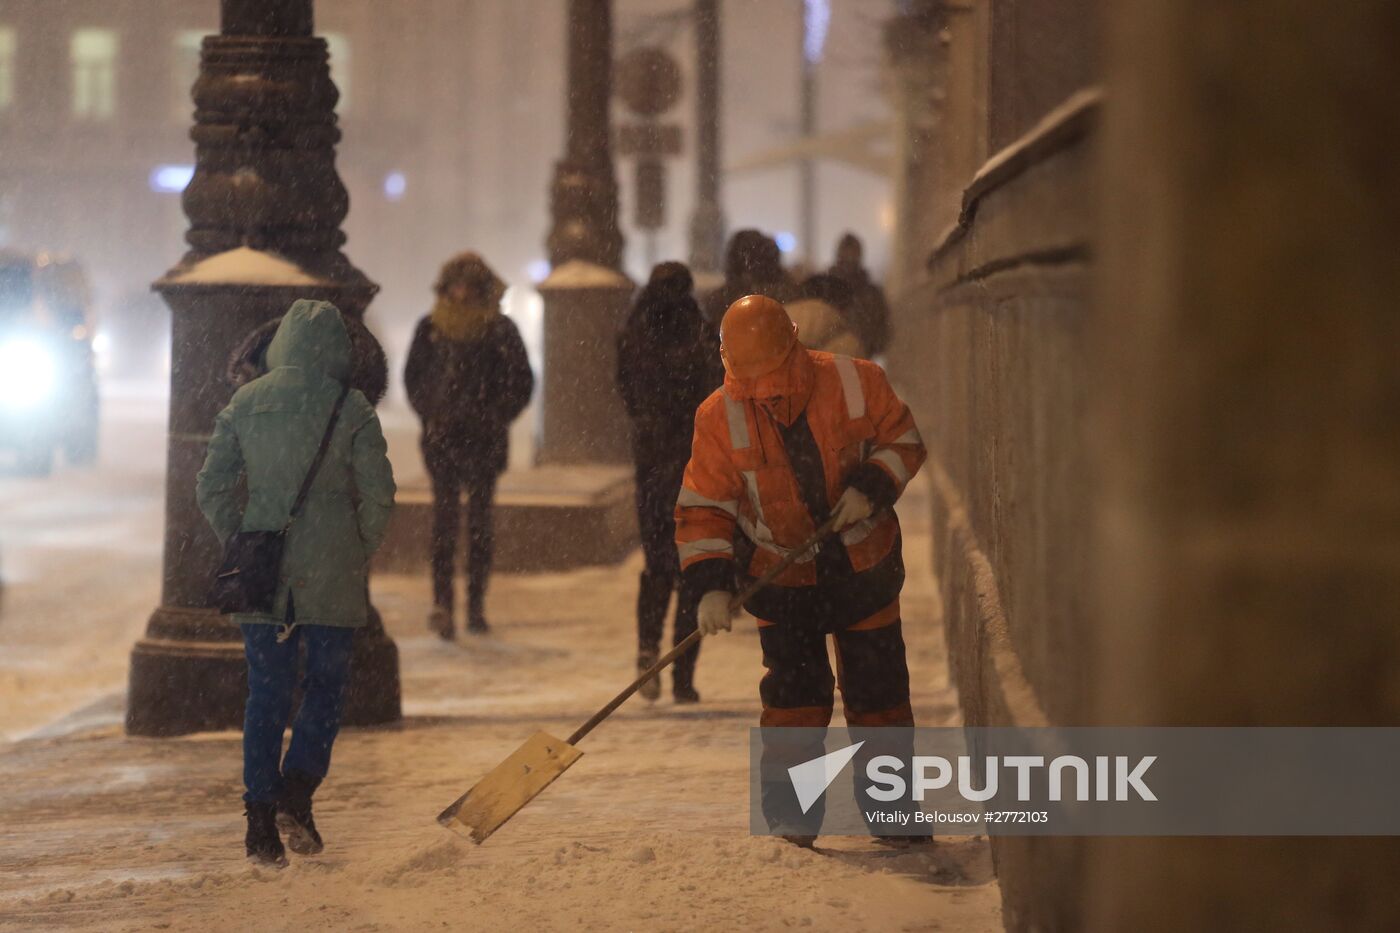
94, 55
7, 67
184, 69
339, 48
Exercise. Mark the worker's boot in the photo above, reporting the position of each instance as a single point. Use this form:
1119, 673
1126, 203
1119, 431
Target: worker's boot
294, 813
440, 622
683, 678
262, 843
801, 841
651, 687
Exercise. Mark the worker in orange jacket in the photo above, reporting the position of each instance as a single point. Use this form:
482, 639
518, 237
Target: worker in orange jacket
793, 437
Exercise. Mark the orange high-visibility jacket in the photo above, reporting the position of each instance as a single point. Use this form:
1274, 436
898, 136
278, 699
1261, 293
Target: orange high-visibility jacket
739, 480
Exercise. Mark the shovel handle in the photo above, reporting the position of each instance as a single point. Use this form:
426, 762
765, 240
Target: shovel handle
744, 595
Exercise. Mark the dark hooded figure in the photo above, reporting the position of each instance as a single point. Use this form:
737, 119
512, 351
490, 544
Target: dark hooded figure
667, 364
468, 378
870, 313
753, 265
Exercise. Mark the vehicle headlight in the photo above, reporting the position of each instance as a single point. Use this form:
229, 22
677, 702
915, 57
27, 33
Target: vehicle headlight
28, 373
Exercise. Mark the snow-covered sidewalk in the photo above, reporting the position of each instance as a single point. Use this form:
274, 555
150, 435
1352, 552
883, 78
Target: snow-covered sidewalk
80, 567
647, 831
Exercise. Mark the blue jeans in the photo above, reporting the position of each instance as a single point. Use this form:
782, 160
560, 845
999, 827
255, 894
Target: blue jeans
272, 677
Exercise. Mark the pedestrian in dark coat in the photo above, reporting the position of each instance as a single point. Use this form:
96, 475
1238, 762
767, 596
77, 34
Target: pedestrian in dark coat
753, 265
870, 313
667, 364
265, 440
468, 378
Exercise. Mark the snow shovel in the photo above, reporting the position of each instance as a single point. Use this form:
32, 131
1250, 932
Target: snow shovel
533, 766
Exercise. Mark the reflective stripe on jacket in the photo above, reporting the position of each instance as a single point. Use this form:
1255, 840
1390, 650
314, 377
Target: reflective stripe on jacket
739, 478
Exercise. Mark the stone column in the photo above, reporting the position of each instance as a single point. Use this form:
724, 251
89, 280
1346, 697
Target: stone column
585, 295
707, 224
916, 60
585, 187
265, 207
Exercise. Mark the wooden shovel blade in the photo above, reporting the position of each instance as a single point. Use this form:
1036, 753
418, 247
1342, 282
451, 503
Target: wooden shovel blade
510, 786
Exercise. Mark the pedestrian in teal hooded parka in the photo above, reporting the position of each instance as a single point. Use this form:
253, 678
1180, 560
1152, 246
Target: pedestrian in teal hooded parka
269, 433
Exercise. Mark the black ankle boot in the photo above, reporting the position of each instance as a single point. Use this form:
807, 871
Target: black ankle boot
683, 676
476, 604
440, 622
294, 813
263, 845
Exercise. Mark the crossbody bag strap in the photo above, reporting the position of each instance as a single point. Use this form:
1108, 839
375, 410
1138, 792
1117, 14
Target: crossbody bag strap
316, 461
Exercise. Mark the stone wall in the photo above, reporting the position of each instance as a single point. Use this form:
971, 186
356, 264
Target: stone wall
991, 349
1247, 410
1008, 301
1149, 324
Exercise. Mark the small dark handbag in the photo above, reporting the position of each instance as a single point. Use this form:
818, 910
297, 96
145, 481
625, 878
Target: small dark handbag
247, 577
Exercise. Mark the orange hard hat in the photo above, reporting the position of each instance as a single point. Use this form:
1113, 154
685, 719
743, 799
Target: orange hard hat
755, 336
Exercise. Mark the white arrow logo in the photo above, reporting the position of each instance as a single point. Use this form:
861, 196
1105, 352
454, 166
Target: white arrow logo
811, 778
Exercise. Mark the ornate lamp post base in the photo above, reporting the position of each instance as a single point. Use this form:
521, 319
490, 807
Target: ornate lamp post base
186, 653
196, 655
584, 421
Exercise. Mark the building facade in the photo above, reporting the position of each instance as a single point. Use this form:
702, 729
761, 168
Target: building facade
1147, 267
95, 113
452, 113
